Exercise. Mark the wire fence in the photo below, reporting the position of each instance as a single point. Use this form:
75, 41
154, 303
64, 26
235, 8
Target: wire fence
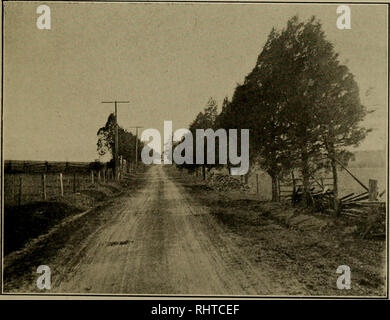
27, 181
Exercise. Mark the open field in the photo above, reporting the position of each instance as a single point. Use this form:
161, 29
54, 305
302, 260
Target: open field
348, 185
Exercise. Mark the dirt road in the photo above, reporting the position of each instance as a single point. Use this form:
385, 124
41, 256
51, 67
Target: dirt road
157, 241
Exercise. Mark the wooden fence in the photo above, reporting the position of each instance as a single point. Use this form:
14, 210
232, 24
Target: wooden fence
27, 181
286, 187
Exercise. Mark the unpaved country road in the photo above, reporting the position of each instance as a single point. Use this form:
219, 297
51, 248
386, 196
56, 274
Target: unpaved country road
159, 241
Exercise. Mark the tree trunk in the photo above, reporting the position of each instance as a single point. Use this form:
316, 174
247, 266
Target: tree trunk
336, 205
275, 193
306, 178
335, 188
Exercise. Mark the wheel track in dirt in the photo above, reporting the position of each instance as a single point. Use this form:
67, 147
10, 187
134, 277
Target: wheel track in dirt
158, 241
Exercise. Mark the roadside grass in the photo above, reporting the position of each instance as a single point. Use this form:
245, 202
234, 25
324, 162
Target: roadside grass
294, 243
28, 221
20, 265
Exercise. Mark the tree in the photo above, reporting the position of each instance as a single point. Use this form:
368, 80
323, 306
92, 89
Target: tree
225, 121
299, 102
313, 96
204, 120
255, 106
106, 141
106, 137
282, 75
328, 95
253, 109
341, 113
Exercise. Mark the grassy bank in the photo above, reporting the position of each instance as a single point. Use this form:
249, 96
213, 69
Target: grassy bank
49, 230
28, 221
295, 244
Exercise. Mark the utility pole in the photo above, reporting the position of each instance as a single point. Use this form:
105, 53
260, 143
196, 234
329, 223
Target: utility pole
116, 136
136, 145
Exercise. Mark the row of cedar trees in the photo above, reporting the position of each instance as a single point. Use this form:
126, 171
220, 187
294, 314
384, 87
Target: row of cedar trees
299, 104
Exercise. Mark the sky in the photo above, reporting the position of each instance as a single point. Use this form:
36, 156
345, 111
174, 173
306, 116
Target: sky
166, 59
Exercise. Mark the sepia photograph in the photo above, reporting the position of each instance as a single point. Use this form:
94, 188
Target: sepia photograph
194, 149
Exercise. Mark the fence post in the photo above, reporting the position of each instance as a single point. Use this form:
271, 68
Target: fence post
98, 177
61, 185
92, 177
74, 182
44, 187
293, 182
373, 189
20, 190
